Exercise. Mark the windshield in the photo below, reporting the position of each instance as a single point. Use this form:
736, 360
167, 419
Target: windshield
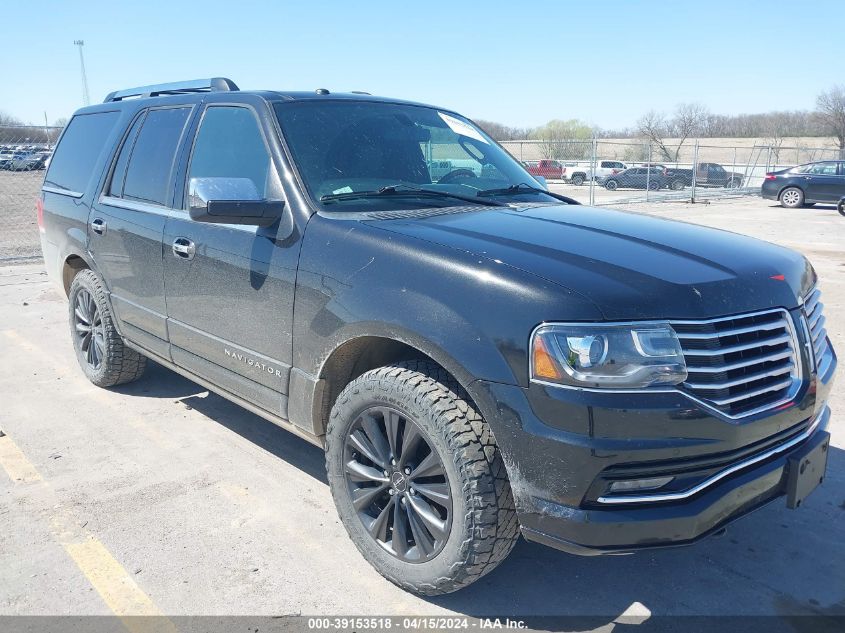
346, 147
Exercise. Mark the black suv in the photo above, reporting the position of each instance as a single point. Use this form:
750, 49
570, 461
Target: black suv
478, 356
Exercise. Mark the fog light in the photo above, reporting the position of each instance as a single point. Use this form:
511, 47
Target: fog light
640, 484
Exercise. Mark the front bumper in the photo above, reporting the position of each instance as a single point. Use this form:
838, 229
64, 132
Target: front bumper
560, 444
627, 529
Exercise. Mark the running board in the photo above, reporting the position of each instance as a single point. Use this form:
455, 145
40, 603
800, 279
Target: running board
246, 404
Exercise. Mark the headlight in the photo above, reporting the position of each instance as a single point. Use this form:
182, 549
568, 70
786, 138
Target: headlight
629, 356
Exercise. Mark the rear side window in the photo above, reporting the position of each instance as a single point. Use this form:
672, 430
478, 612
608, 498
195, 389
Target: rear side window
153, 154
823, 169
82, 143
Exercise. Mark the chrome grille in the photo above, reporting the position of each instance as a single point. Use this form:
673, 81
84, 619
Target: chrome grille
813, 310
740, 365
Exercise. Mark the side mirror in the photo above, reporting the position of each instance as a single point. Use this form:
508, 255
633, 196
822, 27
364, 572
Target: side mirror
231, 201
542, 181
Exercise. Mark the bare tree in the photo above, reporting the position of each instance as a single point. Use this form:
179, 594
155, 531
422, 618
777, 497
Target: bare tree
655, 128
502, 132
831, 114
689, 119
774, 133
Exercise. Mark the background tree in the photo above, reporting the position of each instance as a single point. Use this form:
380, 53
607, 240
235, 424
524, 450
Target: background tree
502, 132
831, 115
689, 119
564, 140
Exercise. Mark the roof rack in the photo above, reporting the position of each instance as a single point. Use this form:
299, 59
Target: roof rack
215, 84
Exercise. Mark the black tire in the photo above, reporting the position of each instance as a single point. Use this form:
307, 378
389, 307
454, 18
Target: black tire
100, 350
481, 519
841, 207
578, 179
653, 185
611, 185
791, 198
677, 185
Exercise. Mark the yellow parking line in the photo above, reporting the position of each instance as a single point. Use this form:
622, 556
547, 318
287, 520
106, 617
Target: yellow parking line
15, 463
117, 589
114, 584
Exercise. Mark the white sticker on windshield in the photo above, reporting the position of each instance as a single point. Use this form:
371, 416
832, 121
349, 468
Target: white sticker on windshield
346, 189
464, 129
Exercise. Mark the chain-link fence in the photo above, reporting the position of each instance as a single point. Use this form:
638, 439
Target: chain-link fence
25, 152
620, 172
604, 172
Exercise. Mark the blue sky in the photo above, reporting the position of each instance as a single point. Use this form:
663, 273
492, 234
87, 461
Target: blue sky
520, 63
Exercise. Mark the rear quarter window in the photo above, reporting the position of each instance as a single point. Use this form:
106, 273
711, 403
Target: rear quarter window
76, 155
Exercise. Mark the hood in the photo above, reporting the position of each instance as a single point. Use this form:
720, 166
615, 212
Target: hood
631, 266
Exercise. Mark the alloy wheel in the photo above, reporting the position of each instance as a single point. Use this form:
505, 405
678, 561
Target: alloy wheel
398, 484
791, 198
90, 333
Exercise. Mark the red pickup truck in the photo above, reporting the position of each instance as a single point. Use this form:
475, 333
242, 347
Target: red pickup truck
550, 169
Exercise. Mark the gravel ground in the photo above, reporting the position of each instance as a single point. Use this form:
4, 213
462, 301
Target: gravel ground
182, 503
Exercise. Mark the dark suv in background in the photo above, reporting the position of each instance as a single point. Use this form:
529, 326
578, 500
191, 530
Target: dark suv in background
806, 184
477, 356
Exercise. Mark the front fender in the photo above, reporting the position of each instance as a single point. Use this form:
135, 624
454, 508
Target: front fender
471, 314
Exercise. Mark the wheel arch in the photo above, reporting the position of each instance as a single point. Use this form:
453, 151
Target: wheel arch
71, 265
360, 353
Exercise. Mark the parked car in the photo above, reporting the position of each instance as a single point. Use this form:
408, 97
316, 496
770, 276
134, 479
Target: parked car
579, 173
807, 184
26, 161
477, 356
6, 156
706, 175
548, 169
636, 178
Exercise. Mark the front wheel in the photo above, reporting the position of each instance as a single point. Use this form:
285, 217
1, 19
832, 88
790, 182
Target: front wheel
100, 350
417, 479
841, 207
676, 185
578, 179
792, 198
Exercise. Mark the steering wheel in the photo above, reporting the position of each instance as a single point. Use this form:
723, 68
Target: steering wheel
456, 173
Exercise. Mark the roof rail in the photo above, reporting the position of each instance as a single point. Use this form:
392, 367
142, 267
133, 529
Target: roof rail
215, 84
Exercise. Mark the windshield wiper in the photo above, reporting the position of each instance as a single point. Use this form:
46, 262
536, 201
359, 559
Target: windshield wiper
522, 187
407, 190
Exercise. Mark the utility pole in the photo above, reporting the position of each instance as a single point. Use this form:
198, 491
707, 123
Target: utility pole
85, 98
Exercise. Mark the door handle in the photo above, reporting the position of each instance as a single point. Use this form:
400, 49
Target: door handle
184, 248
98, 225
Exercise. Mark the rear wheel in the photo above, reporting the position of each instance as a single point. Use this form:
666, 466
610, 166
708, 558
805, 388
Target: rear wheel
418, 480
792, 197
676, 185
100, 350
611, 185
653, 185
841, 207
578, 179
